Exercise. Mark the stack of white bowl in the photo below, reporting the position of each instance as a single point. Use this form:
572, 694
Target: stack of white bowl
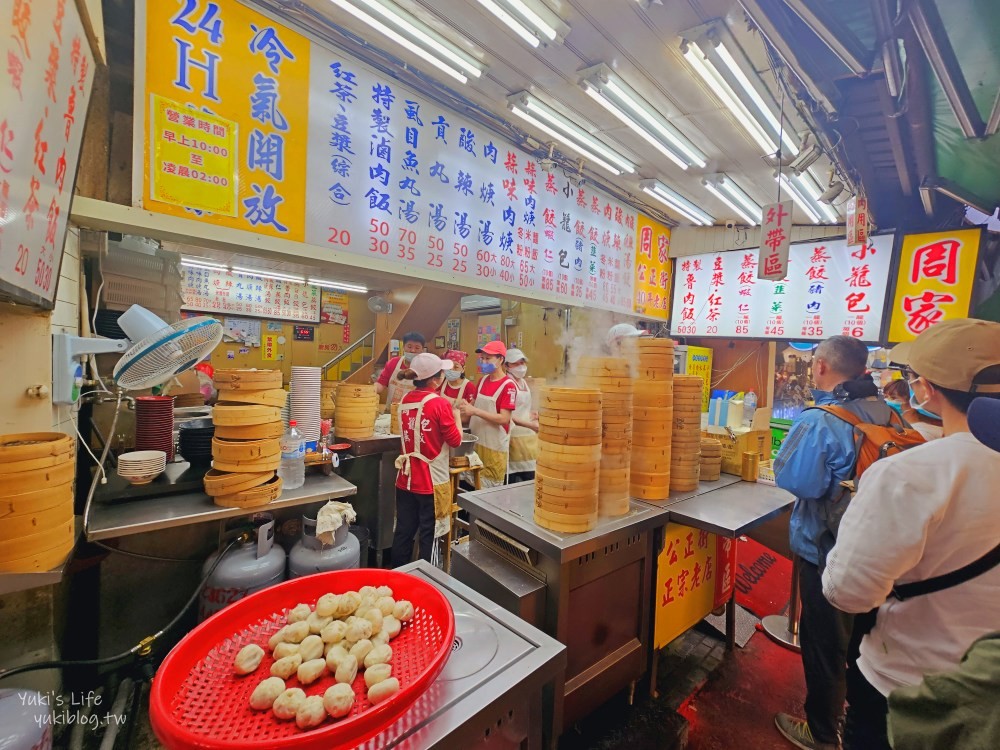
306, 389
141, 467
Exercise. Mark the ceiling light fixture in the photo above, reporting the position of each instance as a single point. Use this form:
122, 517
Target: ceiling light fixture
199, 263
621, 100
529, 19
800, 199
410, 33
542, 116
674, 200
342, 285
726, 190
715, 56
269, 275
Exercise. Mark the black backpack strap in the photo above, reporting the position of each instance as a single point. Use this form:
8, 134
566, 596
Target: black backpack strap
990, 560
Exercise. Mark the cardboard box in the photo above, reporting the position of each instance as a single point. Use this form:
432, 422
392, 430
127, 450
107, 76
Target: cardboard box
746, 441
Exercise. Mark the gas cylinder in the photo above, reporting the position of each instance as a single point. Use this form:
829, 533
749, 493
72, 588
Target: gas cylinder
310, 555
25, 720
255, 563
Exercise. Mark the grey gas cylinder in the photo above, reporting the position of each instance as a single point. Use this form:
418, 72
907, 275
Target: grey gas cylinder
255, 563
310, 555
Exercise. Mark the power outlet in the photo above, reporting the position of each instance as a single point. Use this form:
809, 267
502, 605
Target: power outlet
511, 321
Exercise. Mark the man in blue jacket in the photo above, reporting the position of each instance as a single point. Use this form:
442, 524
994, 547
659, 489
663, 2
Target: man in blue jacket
818, 454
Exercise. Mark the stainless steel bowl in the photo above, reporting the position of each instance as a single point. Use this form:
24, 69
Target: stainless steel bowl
468, 445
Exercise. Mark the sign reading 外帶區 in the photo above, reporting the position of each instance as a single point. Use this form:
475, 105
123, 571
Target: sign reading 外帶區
776, 237
308, 144
830, 289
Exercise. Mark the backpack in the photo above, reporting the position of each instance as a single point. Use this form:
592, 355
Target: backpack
872, 442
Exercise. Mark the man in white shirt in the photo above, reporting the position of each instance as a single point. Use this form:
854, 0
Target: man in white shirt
924, 513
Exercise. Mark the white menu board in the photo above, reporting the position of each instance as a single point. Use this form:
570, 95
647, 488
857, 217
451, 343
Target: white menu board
394, 176
45, 86
830, 289
232, 293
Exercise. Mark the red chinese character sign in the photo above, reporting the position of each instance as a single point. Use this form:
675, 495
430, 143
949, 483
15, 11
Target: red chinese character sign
857, 221
775, 239
935, 280
45, 85
829, 289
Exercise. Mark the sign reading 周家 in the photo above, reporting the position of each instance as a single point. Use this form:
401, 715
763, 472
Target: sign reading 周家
936, 275
775, 238
652, 269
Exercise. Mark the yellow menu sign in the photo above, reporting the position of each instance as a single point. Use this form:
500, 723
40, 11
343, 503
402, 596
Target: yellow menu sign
934, 282
652, 269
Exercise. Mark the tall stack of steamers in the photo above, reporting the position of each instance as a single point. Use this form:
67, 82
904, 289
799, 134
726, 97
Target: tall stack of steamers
611, 376
652, 418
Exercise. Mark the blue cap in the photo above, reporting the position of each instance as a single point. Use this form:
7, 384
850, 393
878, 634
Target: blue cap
984, 421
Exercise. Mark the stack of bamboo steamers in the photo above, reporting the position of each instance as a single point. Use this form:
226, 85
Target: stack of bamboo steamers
685, 459
652, 417
357, 409
246, 449
567, 474
611, 376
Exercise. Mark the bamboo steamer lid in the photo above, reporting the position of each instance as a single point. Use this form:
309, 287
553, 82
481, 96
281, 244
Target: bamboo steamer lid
25, 446
33, 502
569, 440
38, 479
270, 397
573, 486
560, 419
564, 528
25, 546
266, 463
565, 506
353, 390
250, 432
588, 452
40, 560
246, 415
221, 483
252, 498
346, 403
247, 380
651, 493
33, 523
562, 472
244, 450
32, 464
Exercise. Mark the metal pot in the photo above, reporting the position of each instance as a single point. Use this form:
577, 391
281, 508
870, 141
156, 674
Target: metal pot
468, 445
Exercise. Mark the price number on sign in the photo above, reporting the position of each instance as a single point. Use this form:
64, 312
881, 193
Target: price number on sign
378, 229
506, 261
507, 277
43, 275
687, 330
711, 330
812, 330
742, 330
857, 332
340, 237
487, 272
458, 263
21, 266
774, 330
407, 240
526, 281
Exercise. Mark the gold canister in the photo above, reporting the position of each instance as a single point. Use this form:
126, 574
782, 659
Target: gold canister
751, 462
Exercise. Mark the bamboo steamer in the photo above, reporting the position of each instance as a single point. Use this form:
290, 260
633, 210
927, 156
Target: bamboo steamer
247, 380
356, 390
574, 409
561, 472
40, 560
252, 498
551, 521
245, 450
33, 464
245, 415
357, 407
271, 397
602, 364
556, 434
395, 426
268, 430
571, 487
33, 523
256, 466
219, 483
561, 420
38, 479
34, 502
26, 446
25, 546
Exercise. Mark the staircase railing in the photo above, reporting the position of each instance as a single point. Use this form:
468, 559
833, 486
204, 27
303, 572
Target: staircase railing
368, 337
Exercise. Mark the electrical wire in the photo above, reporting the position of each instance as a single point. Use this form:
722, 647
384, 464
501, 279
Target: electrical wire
142, 645
93, 323
86, 447
140, 556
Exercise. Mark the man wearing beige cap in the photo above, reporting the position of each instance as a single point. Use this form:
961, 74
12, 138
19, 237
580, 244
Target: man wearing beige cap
919, 540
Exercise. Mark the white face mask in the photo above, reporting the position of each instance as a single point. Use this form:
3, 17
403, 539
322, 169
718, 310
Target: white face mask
519, 371
453, 375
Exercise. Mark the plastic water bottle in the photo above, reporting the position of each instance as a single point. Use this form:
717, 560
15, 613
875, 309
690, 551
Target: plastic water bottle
293, 459
749, 407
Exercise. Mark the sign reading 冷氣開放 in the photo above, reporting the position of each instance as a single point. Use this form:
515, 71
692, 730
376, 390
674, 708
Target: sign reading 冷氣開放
935, 279
330, 152
830, 289
45, 90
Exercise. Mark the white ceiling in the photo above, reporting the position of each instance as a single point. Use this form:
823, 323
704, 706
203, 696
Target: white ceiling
643, 47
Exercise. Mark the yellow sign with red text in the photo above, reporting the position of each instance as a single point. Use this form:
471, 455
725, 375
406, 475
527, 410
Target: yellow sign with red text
934, 281
653, 269
694, 575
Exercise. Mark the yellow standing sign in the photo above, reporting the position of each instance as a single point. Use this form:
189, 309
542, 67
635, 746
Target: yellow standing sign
653, 269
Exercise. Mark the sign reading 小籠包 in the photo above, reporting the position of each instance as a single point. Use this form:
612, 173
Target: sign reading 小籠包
327, 151
776, 238
936, 275
829, 289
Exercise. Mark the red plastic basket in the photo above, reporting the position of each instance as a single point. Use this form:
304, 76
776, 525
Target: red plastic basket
197, 701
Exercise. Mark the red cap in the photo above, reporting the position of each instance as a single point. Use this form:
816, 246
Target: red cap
494, 348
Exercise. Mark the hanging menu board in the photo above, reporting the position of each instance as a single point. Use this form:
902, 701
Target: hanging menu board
44, 92
231, 293
830, 289
339, 156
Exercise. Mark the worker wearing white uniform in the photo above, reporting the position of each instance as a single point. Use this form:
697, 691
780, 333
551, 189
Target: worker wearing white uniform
490, 416
388, 382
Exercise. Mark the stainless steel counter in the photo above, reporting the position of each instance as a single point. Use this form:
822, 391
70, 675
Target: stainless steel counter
511, 509
139, 516
703, 488
732, 510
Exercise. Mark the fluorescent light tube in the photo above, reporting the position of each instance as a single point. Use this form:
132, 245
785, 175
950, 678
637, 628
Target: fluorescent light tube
676, 201
718, 193
563, 139
344, 286
572, 130
811, 189
599, 97
269, 275
401, 40
799, 199
516, 26
533, 18
198, 263
737, 193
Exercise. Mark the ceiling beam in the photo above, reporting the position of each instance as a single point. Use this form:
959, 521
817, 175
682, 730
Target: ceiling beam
930, 30
834, 35
900, 152
885, 30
